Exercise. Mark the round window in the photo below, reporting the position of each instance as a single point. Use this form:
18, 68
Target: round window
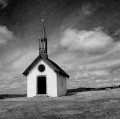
41, 68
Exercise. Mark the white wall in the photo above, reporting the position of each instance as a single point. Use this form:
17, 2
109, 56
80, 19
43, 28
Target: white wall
61, 85
51, 80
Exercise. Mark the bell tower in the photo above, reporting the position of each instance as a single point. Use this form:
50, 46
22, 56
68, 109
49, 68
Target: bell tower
43, 40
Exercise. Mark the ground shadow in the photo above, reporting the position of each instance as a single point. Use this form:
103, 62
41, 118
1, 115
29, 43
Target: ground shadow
85, 89
3, 96
69, 91
81, 89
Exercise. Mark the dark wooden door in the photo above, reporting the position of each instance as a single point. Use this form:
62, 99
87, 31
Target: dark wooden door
41, 85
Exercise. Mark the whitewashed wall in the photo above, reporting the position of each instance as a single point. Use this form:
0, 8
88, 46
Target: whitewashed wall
51, 80
61, 85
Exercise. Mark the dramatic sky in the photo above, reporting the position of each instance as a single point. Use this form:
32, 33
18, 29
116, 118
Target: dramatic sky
83, 39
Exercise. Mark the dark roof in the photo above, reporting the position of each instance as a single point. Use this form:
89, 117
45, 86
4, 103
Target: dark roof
53, 65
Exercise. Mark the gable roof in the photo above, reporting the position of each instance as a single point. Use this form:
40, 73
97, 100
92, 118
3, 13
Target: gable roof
52, 64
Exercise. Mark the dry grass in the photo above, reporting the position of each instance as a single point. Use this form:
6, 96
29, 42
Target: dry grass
84, 105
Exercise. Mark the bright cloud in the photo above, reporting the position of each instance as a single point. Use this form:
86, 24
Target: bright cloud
92, 42
5, 35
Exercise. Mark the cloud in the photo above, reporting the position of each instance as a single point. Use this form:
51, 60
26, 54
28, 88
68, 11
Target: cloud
117, 33
3, 3
5, 35
15, 64
92, 42
0, 65
23, 61
11, 75
89, 8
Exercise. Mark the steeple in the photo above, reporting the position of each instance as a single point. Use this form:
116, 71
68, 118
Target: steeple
43, 40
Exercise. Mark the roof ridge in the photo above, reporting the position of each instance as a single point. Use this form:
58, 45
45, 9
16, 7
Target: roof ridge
49, 62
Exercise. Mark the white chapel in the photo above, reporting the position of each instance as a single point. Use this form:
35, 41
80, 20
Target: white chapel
43, 75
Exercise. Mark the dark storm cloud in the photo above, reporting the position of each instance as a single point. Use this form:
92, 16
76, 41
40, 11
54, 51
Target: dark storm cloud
4, 3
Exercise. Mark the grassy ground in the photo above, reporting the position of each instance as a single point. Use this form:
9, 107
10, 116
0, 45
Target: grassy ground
83, 105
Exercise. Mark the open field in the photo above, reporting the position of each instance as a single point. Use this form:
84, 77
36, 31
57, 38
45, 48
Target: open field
80, 105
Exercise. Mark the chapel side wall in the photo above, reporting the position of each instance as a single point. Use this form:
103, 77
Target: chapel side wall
51, 80
61, 85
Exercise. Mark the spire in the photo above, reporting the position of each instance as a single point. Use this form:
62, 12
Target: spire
43, 25
43, 39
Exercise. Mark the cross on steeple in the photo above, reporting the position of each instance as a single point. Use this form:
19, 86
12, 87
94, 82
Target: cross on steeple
43, 39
